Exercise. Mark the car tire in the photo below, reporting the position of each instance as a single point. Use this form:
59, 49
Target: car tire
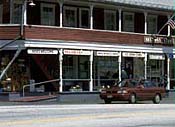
132, 99
107, 101
157, 99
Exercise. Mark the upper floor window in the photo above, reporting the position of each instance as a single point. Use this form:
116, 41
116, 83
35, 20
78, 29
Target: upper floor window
110, 20
48, 14
84, 18
17, 12
152, 24
70, 16
1, 12
128, 22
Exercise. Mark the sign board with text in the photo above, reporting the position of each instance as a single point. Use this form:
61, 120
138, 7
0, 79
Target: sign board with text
42, 51
77, 52
102, 53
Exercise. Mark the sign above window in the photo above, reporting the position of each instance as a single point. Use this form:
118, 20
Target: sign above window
77, 52
157, 57
132, 54
42, 51
159, 40
101, 53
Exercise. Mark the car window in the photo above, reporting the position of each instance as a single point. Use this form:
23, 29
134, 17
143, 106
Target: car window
149, 84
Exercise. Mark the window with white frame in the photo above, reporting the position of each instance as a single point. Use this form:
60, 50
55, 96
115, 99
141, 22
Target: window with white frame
152, 24
47, 14
70, 16
128, 22
1, 12
110, 20
17, 12
84, 17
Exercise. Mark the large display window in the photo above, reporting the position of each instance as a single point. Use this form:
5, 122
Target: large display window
76, 73
105, 71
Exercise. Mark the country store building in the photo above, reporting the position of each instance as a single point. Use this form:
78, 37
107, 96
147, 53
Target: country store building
84, 43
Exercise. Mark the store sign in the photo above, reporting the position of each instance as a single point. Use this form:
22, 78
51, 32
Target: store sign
157, 57
42, 51
132, 54
101, 53
77, 52
158, 40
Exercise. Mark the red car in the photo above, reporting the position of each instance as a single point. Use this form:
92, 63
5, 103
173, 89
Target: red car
132, 90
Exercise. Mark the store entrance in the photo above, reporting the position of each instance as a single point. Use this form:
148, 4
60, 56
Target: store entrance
127, 67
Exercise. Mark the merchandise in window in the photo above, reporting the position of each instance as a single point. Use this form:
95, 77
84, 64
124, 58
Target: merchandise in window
48, 14
152, 24
128, 22
110, 20
70, 17
84, 17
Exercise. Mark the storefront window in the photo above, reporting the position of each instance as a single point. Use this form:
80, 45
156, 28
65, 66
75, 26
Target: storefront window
76, 72
105, 71
48, 14
139, 68
155, 70
172, 74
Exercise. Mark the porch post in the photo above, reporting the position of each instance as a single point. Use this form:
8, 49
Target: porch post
120, 19
169, 29
168, 74
61, 71
146, 65
119, 66
25, 12
61, 13
91, 16
145, 14
91, 69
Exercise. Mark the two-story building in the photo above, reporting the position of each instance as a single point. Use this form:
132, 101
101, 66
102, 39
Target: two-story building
85, 43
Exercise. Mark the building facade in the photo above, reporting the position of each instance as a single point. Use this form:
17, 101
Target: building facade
85, 44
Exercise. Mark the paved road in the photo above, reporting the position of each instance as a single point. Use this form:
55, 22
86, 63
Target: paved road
94, 115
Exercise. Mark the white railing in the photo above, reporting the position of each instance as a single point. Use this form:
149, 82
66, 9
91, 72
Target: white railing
34, 84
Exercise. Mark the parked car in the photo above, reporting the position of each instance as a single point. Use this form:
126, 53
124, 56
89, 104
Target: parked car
132, 90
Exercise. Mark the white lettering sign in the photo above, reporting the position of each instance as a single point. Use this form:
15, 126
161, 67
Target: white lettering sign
157, 57
42, 51
101, 53
77, 52
130, 54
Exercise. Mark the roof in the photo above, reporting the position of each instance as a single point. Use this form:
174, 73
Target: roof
157, 4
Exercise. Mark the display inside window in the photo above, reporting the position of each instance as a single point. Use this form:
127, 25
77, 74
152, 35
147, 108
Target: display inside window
48, 14
70, 17
84, 18
128, 22
110, 20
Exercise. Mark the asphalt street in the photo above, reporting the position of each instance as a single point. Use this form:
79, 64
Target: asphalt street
92, 115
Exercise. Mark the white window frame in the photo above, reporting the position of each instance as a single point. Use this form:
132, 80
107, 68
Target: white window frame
42, 13
125, 28
155, 25
75, 16
80, 21
1, 13
105, 18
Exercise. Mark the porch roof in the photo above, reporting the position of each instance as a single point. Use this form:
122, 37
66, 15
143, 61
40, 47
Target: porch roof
156, 4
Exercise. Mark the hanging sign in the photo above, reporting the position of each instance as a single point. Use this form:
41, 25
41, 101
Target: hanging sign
132, 54
42, 51
77, 52
101, 53
157, 57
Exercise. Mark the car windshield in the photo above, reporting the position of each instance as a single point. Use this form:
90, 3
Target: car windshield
128, 83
